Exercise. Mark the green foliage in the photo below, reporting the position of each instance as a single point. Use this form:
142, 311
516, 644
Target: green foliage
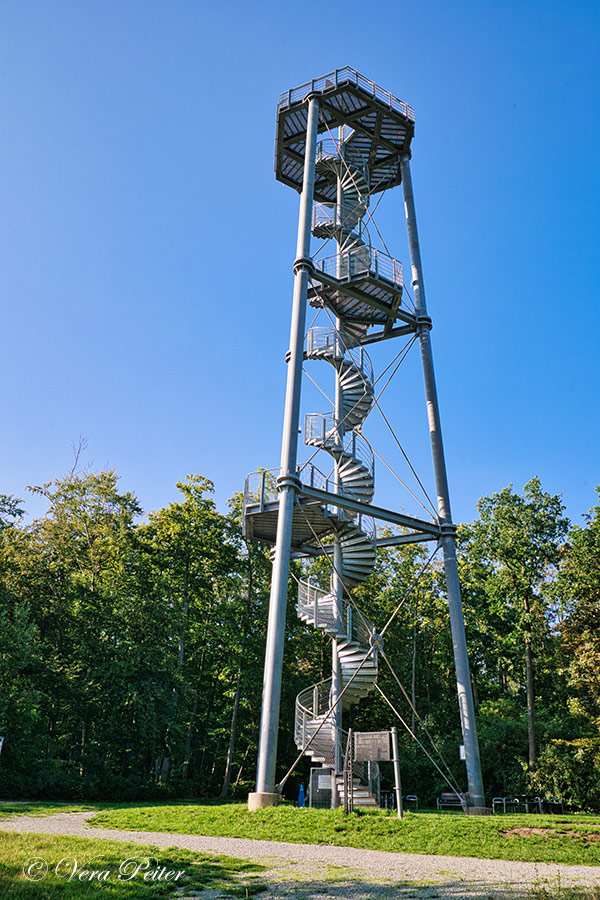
131, 653
571, 770
508, 564
570, 764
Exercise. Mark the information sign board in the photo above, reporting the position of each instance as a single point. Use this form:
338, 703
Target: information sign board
371, 745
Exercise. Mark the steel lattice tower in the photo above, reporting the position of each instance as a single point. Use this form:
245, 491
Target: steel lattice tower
340, 139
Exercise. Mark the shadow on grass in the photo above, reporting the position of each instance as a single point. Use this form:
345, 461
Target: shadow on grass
44, 867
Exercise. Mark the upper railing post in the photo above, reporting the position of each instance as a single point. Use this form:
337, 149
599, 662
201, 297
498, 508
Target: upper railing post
265, 794
262, 490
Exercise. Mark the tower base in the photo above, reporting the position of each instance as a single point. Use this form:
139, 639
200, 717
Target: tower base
258, 800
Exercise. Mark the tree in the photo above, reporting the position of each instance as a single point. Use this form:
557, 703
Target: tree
103, 678
509, 558
194, 555
580, 584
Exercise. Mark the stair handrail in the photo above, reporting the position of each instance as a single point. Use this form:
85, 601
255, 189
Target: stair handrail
356, 628
315, 699
329, 339
329, 214
322, 338
328, 148
321, 429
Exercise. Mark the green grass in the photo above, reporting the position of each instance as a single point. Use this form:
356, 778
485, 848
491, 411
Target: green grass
41, 808
568, 839
233, 877
238, 878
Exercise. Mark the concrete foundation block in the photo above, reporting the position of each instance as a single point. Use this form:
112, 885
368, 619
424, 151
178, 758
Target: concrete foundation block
259, 800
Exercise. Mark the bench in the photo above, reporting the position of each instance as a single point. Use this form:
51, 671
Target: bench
387, 799
449, 799
517, 803
411, 798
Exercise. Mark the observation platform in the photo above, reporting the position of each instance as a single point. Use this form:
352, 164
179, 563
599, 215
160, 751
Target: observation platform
378, 129
261, 509
319, 511
361, 286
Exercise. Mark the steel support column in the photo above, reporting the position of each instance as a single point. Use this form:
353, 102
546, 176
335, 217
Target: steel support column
463, 680
337, 588
267, 747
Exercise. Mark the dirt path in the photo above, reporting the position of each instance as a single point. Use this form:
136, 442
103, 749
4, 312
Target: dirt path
315, 872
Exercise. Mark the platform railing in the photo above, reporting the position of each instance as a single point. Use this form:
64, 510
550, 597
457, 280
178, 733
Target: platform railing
359, 262
260, 487
339, 77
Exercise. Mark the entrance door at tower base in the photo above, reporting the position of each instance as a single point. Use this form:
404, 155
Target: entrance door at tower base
319, 790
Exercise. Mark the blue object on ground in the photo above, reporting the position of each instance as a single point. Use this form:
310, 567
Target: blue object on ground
301, 796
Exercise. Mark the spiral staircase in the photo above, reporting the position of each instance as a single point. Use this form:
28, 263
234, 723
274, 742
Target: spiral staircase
315, 728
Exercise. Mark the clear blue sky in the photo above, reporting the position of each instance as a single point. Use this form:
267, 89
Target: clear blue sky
146, 249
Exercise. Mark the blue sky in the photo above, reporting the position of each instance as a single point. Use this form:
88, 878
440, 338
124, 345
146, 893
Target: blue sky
146, 249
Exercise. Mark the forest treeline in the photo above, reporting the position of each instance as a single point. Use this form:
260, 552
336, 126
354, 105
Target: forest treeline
131, 649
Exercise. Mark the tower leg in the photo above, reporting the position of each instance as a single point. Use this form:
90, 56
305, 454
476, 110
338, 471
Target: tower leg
265, 794
337, 587
463, 680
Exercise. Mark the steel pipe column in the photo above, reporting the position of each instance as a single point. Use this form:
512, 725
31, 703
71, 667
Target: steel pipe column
267, 748
337, 587
463, 680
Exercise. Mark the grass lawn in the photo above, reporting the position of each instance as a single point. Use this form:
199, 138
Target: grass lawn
43, 808
568, 839
71, 861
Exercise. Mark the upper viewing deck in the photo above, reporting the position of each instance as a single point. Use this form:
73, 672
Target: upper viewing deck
382, 128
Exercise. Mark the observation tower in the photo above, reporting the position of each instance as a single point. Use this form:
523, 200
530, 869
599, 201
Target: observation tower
340, 141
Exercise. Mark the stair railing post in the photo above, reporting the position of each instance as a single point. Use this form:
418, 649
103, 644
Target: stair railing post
345, 772
397, 782
351, 776
265, 794
461, 660
262, 491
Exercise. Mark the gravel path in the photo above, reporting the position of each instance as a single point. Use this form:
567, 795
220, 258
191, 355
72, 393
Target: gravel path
316, 872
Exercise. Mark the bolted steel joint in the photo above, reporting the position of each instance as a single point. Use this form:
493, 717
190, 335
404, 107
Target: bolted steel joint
376, 641
424, 323
303, 262
448, 529
288, 481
